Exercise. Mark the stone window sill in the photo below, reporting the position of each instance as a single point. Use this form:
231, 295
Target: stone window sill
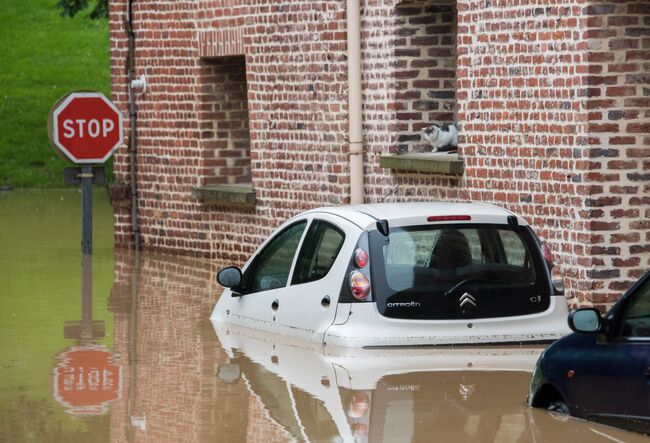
241, 196
430, 162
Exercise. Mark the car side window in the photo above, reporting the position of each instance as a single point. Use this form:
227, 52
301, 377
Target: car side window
270, 269
635, 321
318, 253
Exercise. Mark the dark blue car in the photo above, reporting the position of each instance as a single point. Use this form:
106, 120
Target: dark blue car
602, 371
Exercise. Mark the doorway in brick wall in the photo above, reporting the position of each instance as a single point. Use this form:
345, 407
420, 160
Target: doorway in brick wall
425, 69
224, 121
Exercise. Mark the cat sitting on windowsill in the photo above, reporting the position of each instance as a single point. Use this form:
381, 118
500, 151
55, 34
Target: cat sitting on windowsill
442, 137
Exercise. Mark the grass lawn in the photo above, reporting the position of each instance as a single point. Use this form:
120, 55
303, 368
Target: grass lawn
45, 57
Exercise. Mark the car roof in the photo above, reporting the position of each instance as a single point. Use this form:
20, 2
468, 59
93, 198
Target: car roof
405, 214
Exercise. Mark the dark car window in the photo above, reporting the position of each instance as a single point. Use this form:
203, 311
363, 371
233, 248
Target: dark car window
318, 253
635, 322
270, 269
444, 257
421, 272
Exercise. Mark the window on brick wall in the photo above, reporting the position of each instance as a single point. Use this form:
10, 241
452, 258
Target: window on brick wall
425, 69
224, 123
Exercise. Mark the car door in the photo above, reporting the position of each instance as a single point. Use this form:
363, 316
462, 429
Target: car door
311, 300
265, 279
614, 373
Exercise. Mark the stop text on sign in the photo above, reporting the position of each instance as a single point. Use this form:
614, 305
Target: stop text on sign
85, 127
91, 128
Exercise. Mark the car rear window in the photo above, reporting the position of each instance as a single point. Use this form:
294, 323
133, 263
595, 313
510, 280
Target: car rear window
427, 268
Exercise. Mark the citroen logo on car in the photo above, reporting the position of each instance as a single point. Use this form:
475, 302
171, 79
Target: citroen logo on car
467, 299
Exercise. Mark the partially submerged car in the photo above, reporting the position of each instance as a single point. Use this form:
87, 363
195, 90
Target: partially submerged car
401, 274
602, 371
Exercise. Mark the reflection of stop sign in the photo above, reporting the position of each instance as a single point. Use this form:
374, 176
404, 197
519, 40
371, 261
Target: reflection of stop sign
86, 127
86, 380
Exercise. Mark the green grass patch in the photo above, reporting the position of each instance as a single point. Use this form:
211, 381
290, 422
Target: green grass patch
45, 57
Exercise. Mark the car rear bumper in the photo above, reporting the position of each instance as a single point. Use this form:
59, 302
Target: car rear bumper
365, 327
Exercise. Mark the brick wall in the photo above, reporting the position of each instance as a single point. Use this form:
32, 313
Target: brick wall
169, 150
550, 102
618, 105
296, 73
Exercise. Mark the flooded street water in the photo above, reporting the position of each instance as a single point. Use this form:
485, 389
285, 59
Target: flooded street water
145, 364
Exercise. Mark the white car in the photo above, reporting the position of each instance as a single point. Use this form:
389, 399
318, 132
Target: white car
399, 274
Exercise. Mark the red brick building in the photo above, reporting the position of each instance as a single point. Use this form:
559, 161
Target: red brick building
245, 119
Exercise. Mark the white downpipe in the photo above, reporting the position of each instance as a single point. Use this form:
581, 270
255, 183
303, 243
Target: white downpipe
355, 99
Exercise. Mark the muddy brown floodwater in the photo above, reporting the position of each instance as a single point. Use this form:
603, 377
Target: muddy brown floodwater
144, 363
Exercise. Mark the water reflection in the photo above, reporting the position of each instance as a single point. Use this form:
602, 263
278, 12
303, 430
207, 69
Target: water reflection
171, 354
474, 395
158, 371
40, 287
86, 379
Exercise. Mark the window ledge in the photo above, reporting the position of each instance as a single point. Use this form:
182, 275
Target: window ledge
242, 196
432, 162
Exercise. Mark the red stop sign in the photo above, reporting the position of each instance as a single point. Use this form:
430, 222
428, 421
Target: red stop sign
86, 380
86, 127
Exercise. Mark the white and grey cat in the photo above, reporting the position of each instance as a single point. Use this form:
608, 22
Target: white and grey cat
441, 137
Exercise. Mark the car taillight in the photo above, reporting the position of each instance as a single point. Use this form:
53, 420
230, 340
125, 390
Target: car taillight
355, 283
360, 258
359, 285
556, 276
546, 251
360, 431
557, 279
359, 405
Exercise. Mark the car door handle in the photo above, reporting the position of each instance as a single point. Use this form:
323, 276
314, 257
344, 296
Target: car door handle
275, 305
325, 302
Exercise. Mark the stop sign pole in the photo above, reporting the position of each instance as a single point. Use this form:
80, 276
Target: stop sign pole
85, 128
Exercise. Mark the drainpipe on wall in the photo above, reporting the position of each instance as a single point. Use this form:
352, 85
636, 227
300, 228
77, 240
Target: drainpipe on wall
355, 135
133, 117
135, 276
